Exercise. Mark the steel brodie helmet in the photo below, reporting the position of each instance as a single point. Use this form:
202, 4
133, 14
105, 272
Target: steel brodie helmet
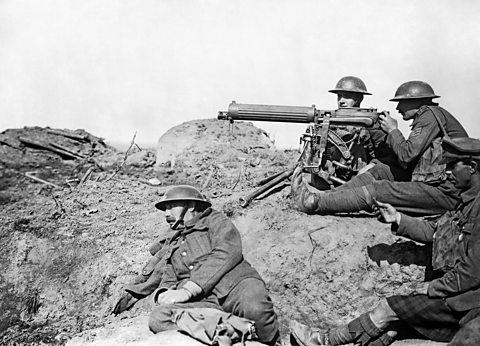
350, 84
182, 193
414, 90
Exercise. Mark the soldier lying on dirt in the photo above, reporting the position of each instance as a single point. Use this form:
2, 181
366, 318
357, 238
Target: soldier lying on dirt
427, 193
439, 308
201, 266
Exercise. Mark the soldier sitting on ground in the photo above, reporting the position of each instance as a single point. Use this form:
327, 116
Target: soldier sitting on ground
437, 309
350, 92
427, 193
201, 265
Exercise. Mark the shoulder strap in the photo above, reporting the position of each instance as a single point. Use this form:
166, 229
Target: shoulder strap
435, 112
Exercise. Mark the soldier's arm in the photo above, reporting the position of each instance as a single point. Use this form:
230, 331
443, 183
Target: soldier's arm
169, 279
424, 131
415, 229
225, 255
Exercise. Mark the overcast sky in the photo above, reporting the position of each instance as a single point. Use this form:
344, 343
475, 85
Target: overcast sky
116, 67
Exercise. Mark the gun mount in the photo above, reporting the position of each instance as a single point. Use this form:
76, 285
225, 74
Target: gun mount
332, 146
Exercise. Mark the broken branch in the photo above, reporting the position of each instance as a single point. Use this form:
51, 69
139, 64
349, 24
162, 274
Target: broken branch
124, 158
31, 176
82, 138
10, 145
86, 176
34, 144
68, 151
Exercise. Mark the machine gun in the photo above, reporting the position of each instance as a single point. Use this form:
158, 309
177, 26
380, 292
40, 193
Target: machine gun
332, 146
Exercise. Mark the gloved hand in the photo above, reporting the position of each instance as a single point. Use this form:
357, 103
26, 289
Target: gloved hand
172, 296
124, 303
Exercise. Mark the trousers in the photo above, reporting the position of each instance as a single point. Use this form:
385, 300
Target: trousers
414, 198
379, 171
249, 299
431, 317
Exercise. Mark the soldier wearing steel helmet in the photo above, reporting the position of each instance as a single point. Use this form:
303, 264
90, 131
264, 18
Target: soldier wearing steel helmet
202, 266
350, 91
428, 192
442, 306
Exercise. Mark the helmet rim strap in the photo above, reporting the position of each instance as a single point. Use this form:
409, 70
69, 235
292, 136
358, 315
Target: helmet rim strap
180, 218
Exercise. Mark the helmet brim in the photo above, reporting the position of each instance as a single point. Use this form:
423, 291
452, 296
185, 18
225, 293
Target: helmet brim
162, 204
400, 98
336, 91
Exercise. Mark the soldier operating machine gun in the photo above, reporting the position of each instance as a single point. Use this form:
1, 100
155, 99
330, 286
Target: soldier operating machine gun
333, 145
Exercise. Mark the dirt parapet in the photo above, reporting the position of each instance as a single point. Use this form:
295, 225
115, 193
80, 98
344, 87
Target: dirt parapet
67, 252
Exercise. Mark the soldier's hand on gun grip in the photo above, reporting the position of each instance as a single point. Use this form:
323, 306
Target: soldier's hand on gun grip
387, 123
174, 296
386, 213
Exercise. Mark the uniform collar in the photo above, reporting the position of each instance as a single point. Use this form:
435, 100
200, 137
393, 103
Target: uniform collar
420, 111
470, 194
198, 222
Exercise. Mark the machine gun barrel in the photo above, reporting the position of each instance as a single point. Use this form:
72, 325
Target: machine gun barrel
285, 114
298, 114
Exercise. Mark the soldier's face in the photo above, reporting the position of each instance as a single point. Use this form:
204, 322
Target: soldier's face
460, 173
348, 99
407, 108
173, 211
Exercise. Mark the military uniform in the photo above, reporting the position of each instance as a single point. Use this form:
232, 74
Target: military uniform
452, 298
456, 290
374, 145
208, 252
429, 194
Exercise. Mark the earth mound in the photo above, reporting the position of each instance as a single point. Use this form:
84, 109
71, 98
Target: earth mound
68, 249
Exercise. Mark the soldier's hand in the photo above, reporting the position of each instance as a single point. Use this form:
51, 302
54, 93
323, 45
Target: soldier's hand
366, 168
387, 123
124, 303
422, 288
386, 213
173, 296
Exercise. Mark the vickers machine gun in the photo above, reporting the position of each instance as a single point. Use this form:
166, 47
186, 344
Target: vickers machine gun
333, 147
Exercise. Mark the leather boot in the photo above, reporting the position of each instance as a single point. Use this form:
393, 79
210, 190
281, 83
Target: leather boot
329, 202
305, 200
306, 336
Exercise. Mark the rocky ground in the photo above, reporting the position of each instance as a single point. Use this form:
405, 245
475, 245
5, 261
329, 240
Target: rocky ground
70, 241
